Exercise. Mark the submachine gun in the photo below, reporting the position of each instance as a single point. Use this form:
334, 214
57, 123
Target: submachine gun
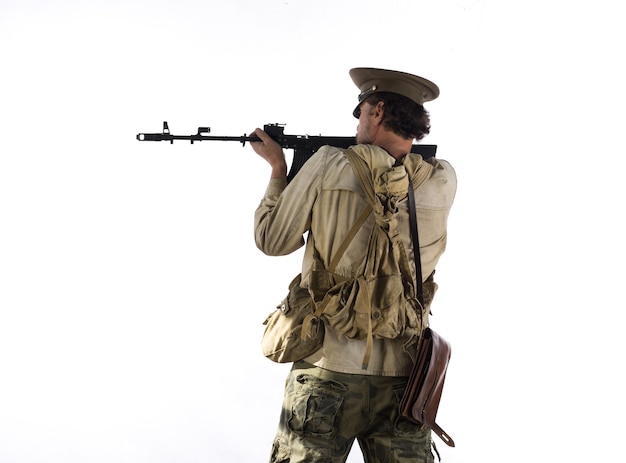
303, 146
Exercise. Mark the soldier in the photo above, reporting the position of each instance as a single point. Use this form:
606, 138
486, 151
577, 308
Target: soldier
351, 386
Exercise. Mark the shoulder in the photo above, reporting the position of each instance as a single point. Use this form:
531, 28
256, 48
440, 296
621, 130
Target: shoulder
331, 161
439, 189
325, 155
327, 168
442, 168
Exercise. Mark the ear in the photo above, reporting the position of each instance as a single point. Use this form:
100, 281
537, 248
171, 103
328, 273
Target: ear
379, 111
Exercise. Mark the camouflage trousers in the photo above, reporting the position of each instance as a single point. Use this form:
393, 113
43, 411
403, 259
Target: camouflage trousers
325, 411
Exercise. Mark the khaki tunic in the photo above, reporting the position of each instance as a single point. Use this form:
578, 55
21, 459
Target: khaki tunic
325, 199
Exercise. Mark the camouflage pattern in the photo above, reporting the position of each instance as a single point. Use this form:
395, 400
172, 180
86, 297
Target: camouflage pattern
325, 411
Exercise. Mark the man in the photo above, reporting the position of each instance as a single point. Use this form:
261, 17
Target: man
332, 397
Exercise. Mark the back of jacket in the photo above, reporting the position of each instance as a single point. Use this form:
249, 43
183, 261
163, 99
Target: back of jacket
325, 199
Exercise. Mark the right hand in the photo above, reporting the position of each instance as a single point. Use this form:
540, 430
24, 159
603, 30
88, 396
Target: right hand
271, 151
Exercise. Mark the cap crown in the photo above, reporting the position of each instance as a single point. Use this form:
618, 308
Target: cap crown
372, 80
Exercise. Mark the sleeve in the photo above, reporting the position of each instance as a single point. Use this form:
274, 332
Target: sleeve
284, 215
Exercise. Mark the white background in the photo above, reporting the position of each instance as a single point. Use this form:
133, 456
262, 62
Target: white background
131, 292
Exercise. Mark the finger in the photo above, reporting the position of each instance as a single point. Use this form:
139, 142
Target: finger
264, 137
258, 133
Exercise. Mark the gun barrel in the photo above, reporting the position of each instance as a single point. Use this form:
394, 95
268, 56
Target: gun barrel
303, 146
192, 138
152, 137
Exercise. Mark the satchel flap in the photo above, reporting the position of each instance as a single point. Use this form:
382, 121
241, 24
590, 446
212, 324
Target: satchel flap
427, 401
423, 393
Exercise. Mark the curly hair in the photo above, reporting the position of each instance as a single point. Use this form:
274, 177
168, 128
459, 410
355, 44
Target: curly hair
402, 116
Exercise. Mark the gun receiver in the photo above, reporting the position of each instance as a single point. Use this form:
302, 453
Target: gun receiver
304, 146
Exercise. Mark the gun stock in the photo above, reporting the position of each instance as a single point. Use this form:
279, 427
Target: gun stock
303, 146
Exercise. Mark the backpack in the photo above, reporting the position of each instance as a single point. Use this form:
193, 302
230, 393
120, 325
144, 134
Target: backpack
381, 300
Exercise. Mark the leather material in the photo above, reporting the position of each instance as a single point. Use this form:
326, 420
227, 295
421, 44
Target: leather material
421, 398
423, 393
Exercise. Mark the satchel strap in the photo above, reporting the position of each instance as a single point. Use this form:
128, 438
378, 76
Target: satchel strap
416, 246
420, 293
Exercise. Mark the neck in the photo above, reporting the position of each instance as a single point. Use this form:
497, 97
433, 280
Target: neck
395, 145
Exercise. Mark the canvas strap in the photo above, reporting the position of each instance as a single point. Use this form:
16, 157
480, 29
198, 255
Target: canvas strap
310, 319
348, 238
364, 175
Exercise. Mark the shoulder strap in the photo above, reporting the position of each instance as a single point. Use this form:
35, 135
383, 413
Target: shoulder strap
363, 173
348, 238
310, 319
364, 176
